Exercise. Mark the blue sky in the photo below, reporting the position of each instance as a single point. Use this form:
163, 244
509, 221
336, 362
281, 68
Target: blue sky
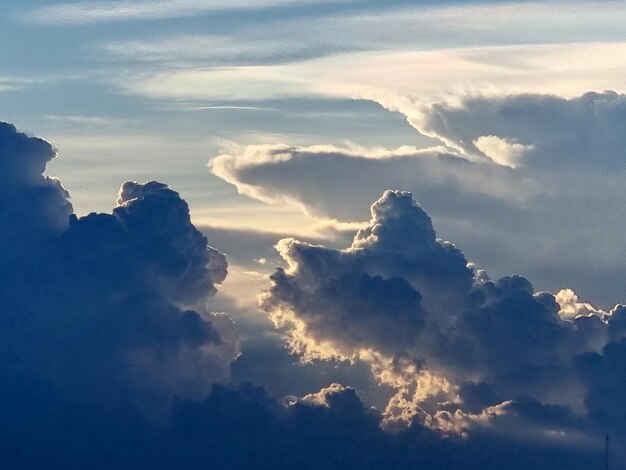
284, 119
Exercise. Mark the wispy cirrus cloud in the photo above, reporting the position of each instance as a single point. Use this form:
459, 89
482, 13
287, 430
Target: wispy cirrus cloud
88, 120
214, 49
87, 12
12, 83
394, 27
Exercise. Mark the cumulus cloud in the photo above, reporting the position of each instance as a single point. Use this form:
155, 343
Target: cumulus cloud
464, 353
106, 308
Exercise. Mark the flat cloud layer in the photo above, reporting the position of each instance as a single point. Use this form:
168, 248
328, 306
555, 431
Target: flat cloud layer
513, 175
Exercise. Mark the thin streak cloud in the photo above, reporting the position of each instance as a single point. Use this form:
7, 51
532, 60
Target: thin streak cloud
399, 81
81, 13
399, 29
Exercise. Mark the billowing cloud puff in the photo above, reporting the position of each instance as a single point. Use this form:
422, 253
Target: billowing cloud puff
462, 351
106, 308
530, 181
398, 245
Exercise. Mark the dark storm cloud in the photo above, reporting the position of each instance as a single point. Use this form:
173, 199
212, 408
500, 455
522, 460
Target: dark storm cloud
244, 427
109, 307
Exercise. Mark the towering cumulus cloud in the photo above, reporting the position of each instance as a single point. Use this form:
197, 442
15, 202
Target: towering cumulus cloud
463, 352
107, 308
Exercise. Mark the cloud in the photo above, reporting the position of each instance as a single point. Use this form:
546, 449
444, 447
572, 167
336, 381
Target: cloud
464, 353
528, 47
309, 177
8, 83
390, 28
106, 308
400, 77
237, 427
501, 151
244, 427
33, 205
513, 174
215, 49
105, 319
89, 12
231, 83
603, 372
563, 134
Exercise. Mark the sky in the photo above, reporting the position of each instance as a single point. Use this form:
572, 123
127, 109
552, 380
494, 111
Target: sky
312, 234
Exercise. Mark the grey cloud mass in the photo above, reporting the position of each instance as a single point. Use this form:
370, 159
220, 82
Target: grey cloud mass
107, 305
